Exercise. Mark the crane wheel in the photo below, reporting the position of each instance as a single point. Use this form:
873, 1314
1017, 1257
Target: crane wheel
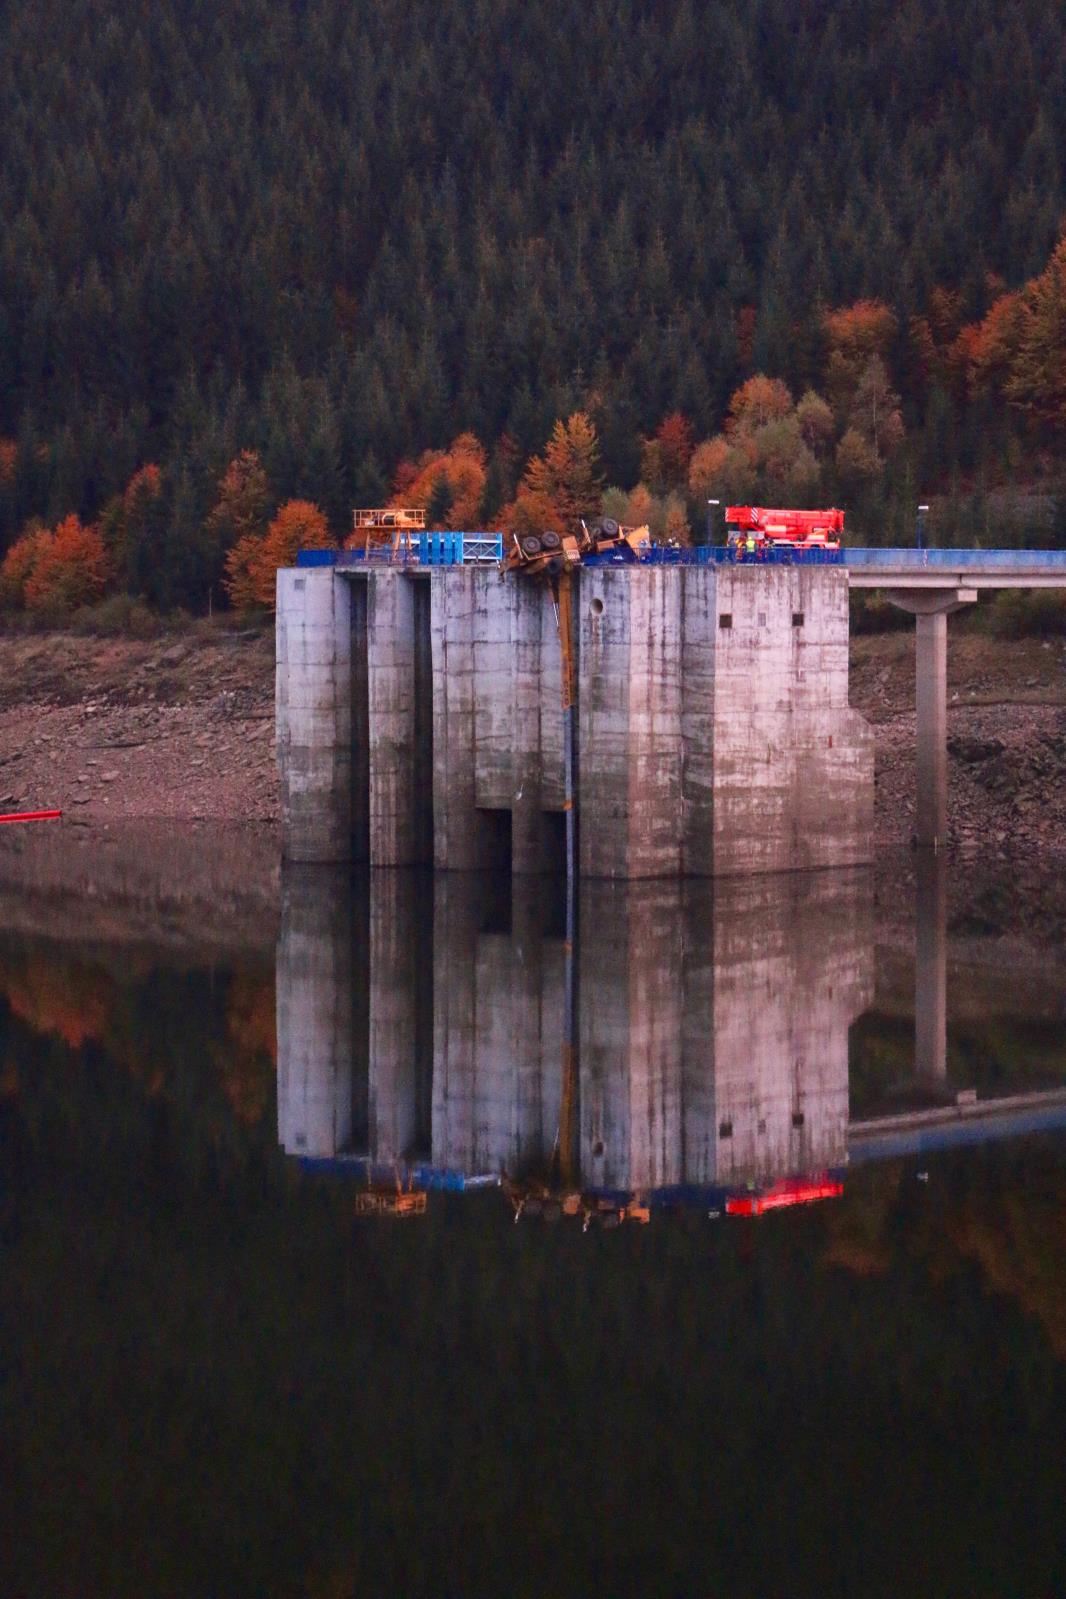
609, 528
550, 540
531, 545
556, 565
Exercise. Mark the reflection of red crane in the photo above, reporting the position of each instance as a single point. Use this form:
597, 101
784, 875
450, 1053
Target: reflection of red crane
792, 1191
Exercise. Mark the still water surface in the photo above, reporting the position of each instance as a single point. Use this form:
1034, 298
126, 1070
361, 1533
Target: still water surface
729, 1288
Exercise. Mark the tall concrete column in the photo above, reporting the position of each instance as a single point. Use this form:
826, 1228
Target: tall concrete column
392, 657
313, 698
931, 704
628, 624
462, 838
931, 609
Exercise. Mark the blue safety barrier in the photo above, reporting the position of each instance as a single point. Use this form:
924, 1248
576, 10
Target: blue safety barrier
724, 555
486, 549
316, 558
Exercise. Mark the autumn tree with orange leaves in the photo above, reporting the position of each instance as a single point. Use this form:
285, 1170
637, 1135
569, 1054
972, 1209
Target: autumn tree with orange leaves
564, 483
252, 564
666, 455
447, 484
54, 572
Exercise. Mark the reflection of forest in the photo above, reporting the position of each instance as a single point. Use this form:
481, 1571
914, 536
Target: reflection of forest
149, 1014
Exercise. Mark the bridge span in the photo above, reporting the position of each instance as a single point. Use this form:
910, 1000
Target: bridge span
931, 584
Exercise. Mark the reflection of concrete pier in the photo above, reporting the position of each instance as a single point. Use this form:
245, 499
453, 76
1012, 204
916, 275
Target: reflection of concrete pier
315, 1036
713, 1026
931, 969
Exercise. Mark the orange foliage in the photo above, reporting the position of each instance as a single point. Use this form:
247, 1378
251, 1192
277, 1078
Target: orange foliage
464, 467
19, 562
706, 465
241, 577
9, 455
249, 1062
253, 562
759, 400
567, 475
985, 351
406, 474
243, 497
55, 571
71, 1002
531, 513
145, 484
668, 452
71, 568
1037, 381
860, 330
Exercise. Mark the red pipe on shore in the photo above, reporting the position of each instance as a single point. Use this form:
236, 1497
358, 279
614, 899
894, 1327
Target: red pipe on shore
32, 816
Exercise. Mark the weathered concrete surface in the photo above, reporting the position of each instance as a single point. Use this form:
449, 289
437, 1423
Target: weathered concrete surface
792, 764
712, 1038
714, 735
313, 698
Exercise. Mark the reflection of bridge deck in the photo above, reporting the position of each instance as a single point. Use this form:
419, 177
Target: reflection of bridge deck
950, 1126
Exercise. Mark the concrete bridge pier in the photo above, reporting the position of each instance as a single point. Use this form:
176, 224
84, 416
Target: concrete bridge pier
931, 609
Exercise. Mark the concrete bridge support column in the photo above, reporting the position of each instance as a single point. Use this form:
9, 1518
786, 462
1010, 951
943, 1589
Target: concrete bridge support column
931, 609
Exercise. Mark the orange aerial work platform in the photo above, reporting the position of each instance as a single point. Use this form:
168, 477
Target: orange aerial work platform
385, 525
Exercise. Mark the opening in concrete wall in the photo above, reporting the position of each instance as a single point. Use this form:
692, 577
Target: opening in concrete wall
496, 836
360, 690
423, 723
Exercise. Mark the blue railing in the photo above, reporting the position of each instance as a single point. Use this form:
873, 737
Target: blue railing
418, 549
722, 555
912, 560
466, 549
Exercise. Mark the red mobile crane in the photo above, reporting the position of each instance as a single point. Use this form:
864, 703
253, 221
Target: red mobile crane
793, 530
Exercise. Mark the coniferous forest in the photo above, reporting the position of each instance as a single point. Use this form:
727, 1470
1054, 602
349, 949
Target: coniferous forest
256, 253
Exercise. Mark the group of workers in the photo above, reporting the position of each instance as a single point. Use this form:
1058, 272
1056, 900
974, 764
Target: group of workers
747, 548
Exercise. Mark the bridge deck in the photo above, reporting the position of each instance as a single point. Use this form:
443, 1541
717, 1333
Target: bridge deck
938, 569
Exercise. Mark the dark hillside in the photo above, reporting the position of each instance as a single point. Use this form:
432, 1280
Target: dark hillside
341, 233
